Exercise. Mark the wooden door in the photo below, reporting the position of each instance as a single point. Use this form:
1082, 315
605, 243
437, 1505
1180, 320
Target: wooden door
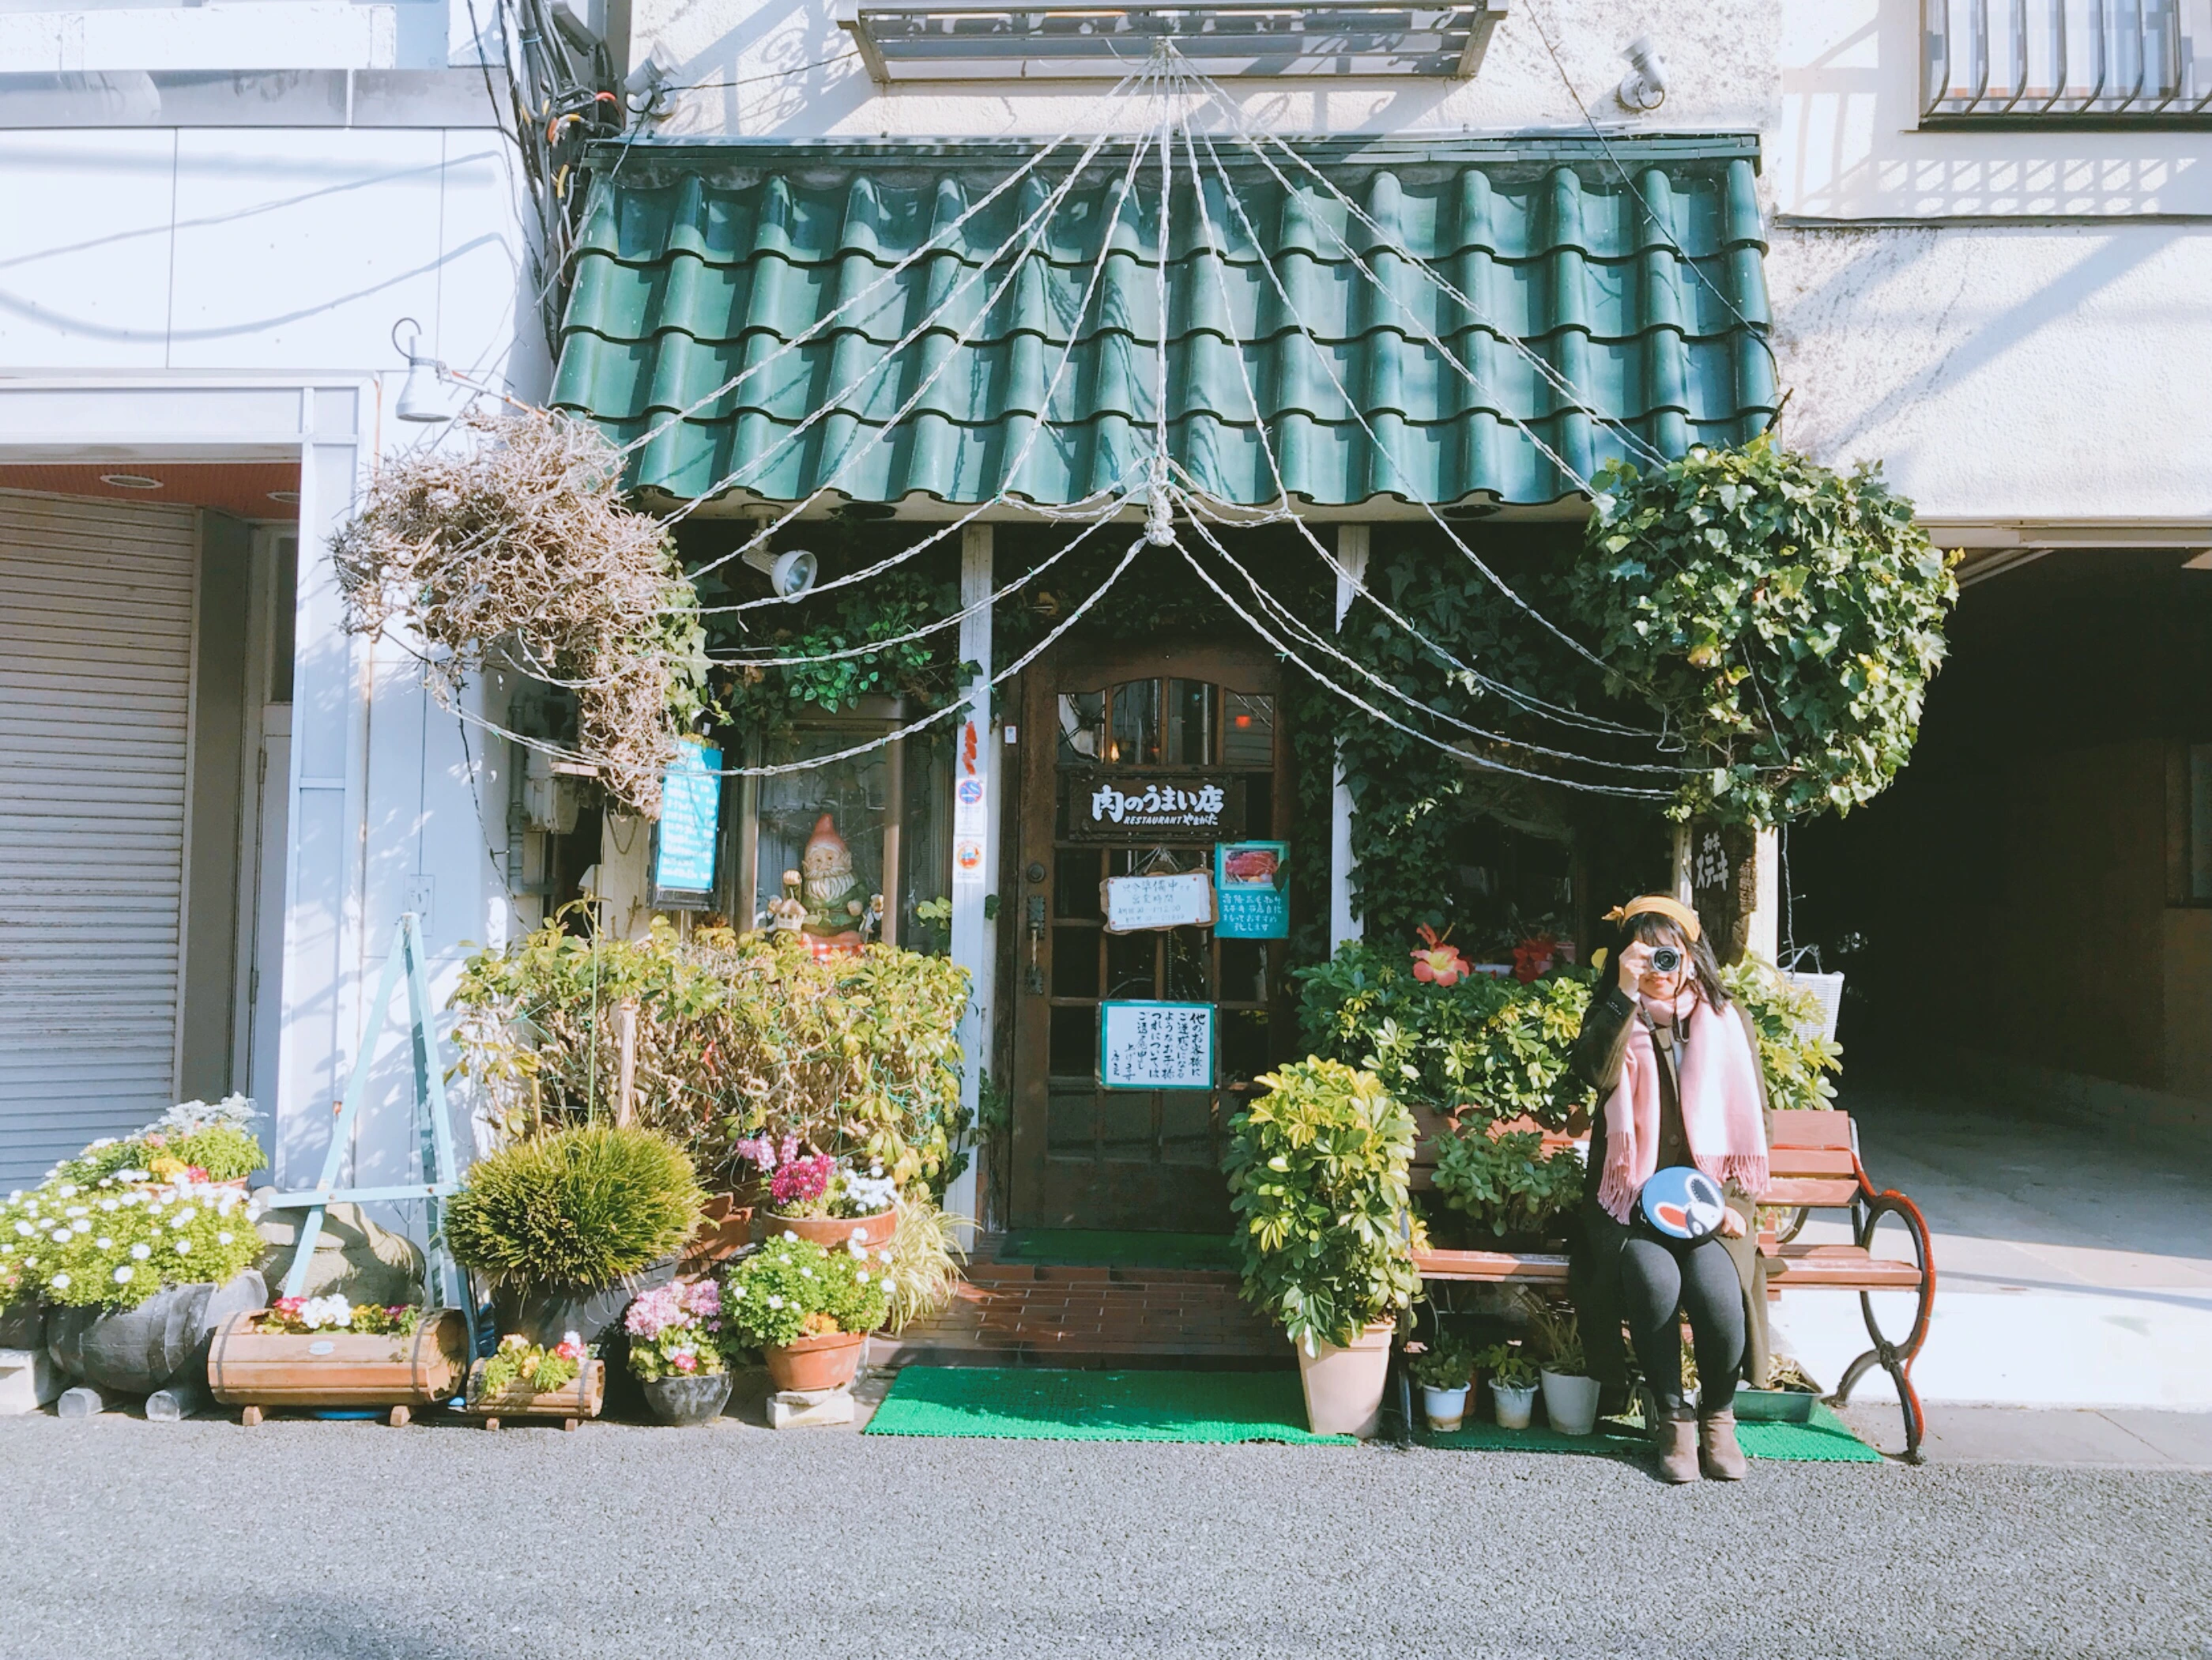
1179, 720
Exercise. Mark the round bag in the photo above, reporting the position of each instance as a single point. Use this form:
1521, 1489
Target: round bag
1682, 1202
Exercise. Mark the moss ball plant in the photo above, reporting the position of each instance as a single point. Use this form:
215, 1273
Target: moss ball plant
583, 1207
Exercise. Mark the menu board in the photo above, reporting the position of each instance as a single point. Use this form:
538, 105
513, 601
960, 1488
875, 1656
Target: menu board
1255, 884
1156, 1046
1135, 904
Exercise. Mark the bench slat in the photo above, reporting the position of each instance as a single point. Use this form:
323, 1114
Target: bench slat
1842, 1268
1816, 1195
1492, 1266
1809, 1161
1809, 1129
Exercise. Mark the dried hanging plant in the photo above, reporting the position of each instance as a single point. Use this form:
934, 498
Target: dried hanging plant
519, 553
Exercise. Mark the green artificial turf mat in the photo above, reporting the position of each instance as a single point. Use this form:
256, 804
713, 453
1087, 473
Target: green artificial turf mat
1093, 1247
1824, 1439
1027, 1404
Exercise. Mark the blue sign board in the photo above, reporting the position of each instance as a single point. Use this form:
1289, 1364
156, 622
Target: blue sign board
1252, 889
691, 818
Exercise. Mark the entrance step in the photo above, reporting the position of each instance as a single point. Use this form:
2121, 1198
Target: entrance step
1049, 1314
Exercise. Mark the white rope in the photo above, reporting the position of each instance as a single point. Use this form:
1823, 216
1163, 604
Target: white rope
928, 247
1534, 705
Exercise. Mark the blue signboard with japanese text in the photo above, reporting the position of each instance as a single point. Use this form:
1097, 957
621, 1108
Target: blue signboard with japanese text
1252, 889
690, 827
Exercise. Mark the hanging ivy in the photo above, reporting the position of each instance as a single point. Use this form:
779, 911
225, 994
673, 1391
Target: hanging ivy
1785, 617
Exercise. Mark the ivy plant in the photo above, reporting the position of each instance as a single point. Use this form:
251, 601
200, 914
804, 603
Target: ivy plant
1317, 1179
1784, 618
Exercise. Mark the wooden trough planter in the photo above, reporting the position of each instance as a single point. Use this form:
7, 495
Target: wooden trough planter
571, 1404
254, 1370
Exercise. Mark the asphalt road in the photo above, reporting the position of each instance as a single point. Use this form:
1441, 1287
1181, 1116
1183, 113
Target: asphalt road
123, 1538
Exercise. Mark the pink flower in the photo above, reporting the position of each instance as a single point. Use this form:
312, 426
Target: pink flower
802, 1180
569, 1351
684, 1362
1436, 962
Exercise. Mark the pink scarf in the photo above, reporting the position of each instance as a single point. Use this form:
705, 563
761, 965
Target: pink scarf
1720, 1109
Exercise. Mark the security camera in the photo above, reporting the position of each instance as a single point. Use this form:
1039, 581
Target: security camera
1643, 88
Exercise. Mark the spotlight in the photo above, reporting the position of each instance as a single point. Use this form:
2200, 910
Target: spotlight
789, 575
1643, 88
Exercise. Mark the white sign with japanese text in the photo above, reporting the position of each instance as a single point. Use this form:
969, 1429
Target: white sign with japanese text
1137, 902
1156, 1046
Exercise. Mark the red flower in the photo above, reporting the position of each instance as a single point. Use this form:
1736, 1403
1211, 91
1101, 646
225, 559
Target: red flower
1436, 962
569, 1351
1534, 957
684, 1363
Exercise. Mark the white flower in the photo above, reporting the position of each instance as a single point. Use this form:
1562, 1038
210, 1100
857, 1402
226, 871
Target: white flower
80, 1227
140, 1253
183, 1247
107, 1204
24, 1228
182, 1217
123, 1275
862, 1276
224, 1238
106, 1242
858, 1246
738, 1293
61, 1236
61, 1282
776, 1302
74, 1211
576, 1338
807, 1274
66, 1190
792, 1234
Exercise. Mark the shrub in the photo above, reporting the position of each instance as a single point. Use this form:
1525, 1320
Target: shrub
1317, 1171
1795, 1058
1495, 1045
738, 1037
1446, 1363
579, 1207
925, 1262
193, 1136
1506, 1182
793, 1288
1785, 618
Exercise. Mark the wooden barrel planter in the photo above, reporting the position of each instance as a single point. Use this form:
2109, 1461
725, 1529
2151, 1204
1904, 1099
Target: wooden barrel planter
163, 1341
571, 1405
254, 1368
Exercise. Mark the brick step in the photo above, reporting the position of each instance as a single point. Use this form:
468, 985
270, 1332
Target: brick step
1024, 1314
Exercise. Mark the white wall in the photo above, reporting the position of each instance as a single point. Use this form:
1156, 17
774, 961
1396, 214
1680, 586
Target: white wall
1722, 56
2018, 322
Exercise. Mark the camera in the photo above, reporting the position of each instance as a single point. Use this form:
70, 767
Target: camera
1665, 959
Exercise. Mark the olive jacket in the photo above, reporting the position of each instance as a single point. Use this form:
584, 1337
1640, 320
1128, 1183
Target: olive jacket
1595, 1269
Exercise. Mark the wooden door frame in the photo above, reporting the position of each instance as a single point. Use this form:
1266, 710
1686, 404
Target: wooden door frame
1237, 668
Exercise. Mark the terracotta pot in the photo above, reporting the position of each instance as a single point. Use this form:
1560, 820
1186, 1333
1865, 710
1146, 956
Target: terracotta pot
828, 1232
1343, 1386
725, 1229
828, 1362
687, 1402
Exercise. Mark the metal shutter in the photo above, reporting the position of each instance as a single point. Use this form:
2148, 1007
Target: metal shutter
95, 691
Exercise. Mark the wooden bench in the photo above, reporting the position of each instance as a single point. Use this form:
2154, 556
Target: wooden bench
1815, 1160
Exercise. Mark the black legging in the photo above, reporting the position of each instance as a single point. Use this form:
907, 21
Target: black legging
1659, 1276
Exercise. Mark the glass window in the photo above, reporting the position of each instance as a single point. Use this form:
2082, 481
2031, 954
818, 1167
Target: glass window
1082, 727
1135, 739
1190, 723
826, 826
1247, 730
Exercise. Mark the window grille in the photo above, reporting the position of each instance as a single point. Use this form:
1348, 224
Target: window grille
2119, 63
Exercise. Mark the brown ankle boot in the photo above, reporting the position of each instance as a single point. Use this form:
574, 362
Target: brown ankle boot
1676, 1438
1717, 1452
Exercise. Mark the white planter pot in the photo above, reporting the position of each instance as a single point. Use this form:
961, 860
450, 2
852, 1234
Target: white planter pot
1343, 1387
1571, 1403
1515, 1407
1443, 1408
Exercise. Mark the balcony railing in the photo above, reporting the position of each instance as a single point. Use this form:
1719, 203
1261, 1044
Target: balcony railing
2116, 62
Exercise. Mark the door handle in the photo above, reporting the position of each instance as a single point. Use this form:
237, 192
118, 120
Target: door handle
1033, 908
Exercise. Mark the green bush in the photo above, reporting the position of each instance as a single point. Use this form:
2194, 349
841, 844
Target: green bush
1317, 1171
737, 1036
793, 1288
1506, 1182
112, 1243
1795, 1058
579, 1208
1495, 1045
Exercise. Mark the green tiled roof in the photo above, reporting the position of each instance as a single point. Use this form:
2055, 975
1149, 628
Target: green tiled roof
698, 262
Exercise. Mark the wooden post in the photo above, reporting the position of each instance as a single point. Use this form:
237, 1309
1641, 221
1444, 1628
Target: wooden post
975, 764
626, 1036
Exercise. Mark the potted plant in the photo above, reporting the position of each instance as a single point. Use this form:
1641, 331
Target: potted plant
1512, 1378
1445, 1371
823, 1198
138, 1273
570, 1226
523, 1379
1570, 1393
1317, 1171
328, 1352
807, 1309
676, 1352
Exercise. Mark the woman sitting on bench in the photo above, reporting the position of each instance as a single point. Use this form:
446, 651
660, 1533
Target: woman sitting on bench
1677, 1156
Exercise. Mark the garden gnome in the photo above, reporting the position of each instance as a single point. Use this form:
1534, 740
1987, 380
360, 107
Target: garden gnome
832, 900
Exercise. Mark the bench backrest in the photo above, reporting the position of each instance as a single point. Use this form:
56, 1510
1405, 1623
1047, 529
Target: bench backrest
1808, 1153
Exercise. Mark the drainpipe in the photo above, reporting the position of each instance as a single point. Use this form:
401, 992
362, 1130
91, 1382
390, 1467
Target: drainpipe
974, 837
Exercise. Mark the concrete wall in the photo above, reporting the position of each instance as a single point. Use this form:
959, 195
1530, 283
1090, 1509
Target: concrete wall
2017, 323
801, 80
